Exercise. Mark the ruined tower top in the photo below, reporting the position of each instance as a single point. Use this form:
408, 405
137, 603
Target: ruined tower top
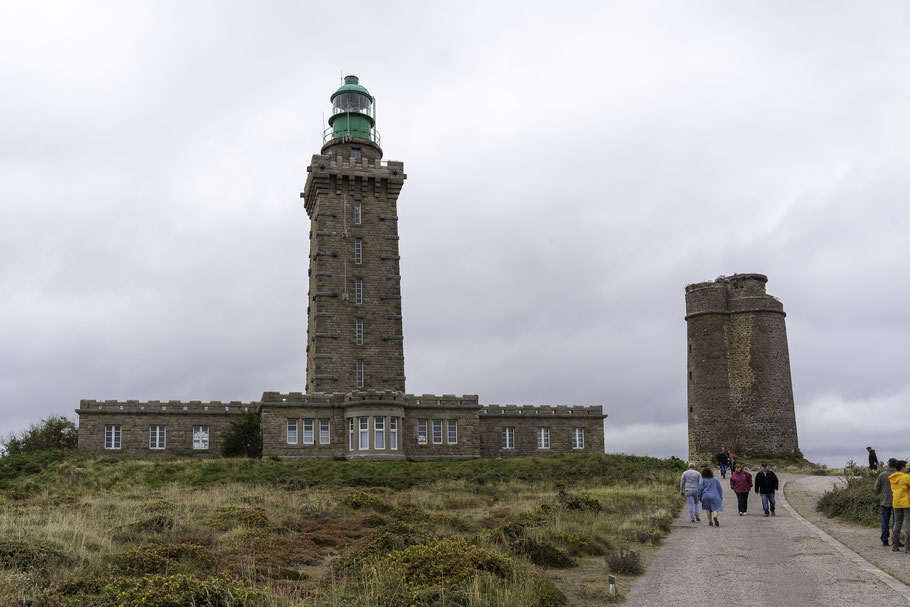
352, 125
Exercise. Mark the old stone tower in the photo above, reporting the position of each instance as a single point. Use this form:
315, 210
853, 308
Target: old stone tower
739, 387
354, 333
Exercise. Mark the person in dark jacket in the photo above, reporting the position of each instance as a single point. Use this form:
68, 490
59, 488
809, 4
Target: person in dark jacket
766, 485
883, 488
723, 460
741, 483
873, 459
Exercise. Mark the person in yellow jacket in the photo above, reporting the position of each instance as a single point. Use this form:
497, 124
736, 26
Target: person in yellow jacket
900, 490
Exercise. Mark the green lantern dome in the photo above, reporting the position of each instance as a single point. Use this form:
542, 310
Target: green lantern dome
353, 113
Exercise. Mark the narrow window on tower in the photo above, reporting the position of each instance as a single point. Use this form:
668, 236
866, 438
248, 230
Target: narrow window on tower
359, 377
357, 213
358, 331
358, 291
355, 154
358, 251
393, 433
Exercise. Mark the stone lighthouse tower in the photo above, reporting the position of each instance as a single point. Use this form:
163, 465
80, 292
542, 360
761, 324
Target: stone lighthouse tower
354, 330
740, 392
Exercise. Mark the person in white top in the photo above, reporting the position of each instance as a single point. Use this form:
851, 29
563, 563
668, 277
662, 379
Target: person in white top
688, 486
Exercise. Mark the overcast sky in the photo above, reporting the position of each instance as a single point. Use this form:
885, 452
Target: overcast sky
571, 167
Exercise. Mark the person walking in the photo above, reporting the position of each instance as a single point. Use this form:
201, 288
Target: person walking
741, 483
723, 460
900, 488
688, 487
883, 488
766, 485
873, 459
711, 496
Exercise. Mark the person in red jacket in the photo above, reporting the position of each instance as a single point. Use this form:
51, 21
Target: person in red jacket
741, 483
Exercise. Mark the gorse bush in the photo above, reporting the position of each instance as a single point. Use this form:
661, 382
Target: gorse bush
50, 433
445, 563
178, 591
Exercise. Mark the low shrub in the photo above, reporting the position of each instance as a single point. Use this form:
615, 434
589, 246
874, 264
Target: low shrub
583, 502
17, 554
162, 558
854, 501
178, 591
543, 553
581, 544
361, 500
624, 561
445, 563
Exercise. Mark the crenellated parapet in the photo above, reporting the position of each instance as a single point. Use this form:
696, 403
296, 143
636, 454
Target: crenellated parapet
543, 411
193, 407
331, 175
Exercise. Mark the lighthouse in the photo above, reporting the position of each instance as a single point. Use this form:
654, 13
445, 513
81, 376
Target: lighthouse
354, 326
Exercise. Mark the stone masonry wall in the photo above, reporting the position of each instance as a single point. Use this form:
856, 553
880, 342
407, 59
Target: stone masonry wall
134, 419
336, 183
740, 392
527, 419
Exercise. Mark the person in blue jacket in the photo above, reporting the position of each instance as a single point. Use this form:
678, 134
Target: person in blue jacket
710, 493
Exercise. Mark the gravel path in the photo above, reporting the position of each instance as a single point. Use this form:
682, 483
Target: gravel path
788, 559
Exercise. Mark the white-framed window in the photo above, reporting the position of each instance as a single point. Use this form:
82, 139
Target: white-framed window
379, 433
359, 374
325, 436
578, 438
157, 437
200, 437
357, 213
364, 433
358, 251
437, 431
112, 435
508, 437
543, 438
358, 331
308, 431
356, 154
350, 434
292, 431
358, 290
453, 431
421, 432
393, 433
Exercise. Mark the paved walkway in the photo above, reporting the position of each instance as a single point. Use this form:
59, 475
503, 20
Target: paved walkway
789, 559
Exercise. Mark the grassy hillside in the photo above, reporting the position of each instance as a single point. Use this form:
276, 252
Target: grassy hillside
101, 531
